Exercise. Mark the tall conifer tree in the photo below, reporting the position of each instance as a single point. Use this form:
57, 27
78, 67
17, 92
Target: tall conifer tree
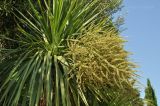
150, 95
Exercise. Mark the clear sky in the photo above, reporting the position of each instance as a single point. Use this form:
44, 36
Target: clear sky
142, 20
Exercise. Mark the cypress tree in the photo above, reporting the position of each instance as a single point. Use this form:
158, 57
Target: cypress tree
150, 95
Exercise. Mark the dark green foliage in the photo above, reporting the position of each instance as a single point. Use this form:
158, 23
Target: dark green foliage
7, 7
8, 23
150, 96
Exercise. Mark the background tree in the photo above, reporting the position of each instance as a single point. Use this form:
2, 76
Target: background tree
8, 23
150, 96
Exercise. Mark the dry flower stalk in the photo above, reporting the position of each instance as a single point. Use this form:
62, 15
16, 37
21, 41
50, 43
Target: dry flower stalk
99, 59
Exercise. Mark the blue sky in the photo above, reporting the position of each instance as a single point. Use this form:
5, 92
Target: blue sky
142, 20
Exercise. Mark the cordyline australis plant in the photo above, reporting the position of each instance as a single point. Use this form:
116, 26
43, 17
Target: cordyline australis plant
61, 55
